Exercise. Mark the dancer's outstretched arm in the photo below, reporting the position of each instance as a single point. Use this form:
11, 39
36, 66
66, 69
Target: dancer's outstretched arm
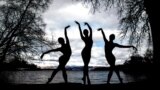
53, 50
126, 46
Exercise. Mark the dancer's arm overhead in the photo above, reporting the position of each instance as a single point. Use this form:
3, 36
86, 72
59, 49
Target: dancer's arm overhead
90, 29
80, 30
104, 37
65, 33
53, 50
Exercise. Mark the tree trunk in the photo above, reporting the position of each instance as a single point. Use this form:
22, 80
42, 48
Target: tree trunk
151, 9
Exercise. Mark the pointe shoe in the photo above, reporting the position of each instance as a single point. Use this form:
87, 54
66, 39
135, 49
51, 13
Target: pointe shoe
89, 83
49, 80
121, 80
108, 82
83, 79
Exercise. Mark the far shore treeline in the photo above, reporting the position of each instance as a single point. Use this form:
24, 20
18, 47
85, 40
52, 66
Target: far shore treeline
134, 63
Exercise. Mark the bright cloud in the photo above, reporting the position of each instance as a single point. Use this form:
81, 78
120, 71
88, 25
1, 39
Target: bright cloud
64, 12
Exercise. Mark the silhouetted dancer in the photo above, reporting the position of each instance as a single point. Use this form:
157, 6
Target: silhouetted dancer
86, 52
109, 46
66, 50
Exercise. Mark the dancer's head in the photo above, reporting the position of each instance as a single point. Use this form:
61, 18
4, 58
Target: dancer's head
85, 32
61, 40
111, 37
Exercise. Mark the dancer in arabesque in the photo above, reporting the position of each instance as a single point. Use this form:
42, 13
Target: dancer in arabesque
66, 50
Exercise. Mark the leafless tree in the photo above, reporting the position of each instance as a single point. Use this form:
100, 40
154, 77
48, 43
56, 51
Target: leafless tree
137, 19
21, 27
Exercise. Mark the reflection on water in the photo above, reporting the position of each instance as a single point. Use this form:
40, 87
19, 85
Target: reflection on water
41, 77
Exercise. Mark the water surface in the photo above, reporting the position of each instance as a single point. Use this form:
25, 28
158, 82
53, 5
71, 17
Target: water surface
41, 77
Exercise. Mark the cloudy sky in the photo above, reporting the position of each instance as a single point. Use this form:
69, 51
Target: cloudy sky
64, 12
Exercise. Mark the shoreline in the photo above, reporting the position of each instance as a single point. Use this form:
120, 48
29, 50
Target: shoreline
91, 68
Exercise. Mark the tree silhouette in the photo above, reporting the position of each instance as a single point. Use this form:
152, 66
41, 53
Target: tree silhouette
148, 56
21, 27
137, 18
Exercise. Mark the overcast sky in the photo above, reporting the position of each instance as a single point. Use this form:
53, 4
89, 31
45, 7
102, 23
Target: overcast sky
64, 12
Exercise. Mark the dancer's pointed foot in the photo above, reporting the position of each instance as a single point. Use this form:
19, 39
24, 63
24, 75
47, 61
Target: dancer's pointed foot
84, 81
66, 82
49, 80
121, 80
89, 82
108, 83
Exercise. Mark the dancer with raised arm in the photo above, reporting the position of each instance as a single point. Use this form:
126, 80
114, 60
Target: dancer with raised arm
109, 46
86, 52
66, 50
